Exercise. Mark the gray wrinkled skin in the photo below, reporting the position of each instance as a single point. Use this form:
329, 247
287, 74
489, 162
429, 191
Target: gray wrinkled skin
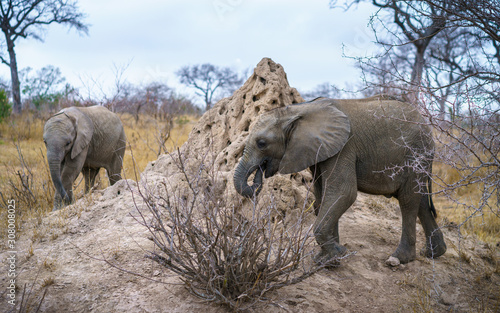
82, 139
377, 145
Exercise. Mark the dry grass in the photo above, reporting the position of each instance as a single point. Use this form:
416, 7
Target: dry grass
146, 137
460, 207
24, 173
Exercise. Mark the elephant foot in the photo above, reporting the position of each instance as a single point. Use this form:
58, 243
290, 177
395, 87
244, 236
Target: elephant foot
392, 261
434, 250
57, 205
404, 255
330, 255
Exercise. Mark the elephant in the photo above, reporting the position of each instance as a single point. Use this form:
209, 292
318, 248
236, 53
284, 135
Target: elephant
377, 145
82, 139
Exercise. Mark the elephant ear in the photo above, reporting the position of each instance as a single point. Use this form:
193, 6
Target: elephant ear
314, 132
84, 130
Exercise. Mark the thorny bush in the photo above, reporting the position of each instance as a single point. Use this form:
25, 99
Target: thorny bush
221, 256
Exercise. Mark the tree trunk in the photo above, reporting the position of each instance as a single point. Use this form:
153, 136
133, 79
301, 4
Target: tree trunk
416, 74
421, 44
208, 102
14, 75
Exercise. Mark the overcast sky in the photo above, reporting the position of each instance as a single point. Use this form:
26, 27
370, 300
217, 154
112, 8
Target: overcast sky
155, 38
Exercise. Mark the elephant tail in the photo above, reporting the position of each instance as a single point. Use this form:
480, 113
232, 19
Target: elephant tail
432, 208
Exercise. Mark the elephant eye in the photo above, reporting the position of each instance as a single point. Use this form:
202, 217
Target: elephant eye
68, 143
261, 144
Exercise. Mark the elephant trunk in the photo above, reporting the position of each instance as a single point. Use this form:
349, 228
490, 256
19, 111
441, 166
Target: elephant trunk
55, 174
241, 174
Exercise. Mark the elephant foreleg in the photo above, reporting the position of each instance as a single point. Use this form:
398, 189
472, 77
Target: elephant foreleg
318, 188
67, 181
340, 192
58, 202
69, 173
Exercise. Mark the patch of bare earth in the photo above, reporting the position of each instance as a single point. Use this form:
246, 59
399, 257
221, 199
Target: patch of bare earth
90, 256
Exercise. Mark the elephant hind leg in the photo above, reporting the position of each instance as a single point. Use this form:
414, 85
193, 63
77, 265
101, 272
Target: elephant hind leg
90, 175
114, 170
409, 202
434, 242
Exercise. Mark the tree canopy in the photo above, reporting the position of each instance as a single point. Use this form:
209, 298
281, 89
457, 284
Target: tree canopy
29, 19
208, 80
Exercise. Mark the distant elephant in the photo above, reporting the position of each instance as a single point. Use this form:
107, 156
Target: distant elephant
376, 145
82, 139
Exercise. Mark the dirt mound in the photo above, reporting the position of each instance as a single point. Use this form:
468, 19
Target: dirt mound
219, 138
91, 254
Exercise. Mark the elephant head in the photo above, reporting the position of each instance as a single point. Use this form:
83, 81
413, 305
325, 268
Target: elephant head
66, 135
290, 139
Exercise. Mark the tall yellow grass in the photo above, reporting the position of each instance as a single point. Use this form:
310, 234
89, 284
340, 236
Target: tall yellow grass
145, 140
24, 173
461, 207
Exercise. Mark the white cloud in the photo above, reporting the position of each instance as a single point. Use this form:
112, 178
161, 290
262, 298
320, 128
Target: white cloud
161, 36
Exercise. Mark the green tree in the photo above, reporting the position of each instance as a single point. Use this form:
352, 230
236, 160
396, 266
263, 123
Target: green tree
45, 87
5, 107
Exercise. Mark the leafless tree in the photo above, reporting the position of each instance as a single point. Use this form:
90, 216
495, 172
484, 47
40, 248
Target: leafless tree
209, 79
446, 55
414, 24
29, 19
155, 99
434, 45
476, 58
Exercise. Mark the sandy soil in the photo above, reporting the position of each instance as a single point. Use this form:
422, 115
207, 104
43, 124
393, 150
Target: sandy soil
76, 257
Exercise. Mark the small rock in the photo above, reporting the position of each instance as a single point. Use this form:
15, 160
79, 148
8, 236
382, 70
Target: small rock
449, 299
392, 261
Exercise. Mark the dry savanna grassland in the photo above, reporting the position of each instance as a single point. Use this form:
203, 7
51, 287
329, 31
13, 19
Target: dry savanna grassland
24, 172
24, 176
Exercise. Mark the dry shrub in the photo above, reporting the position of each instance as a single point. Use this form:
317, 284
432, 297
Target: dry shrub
28, 183
467, 170
31, 301
221, 256
24, 176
